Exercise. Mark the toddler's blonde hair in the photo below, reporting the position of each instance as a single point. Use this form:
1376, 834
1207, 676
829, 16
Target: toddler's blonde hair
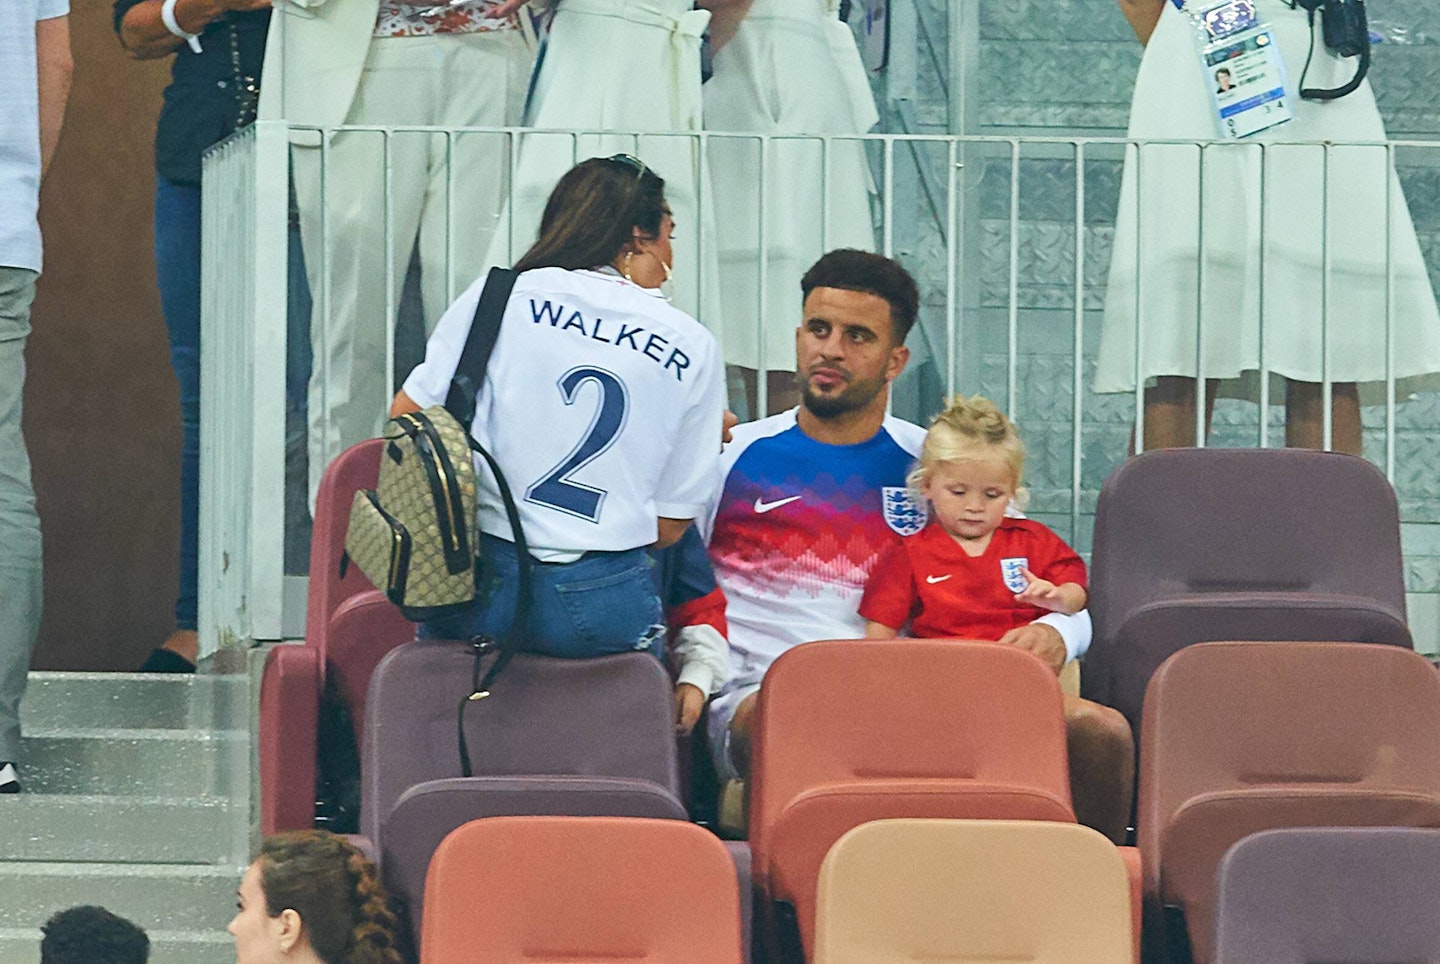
970, 429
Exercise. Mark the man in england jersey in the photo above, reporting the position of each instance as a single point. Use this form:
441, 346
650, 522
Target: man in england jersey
812, 497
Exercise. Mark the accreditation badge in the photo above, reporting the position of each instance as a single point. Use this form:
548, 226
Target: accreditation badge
1241, 65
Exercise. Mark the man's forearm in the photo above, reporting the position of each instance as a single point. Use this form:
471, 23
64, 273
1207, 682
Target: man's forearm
54, 65
1074, 630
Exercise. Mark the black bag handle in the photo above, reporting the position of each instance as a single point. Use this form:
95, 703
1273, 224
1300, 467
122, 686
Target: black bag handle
460, 402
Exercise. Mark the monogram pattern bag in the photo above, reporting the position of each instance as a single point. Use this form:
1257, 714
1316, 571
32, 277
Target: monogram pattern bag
415, 534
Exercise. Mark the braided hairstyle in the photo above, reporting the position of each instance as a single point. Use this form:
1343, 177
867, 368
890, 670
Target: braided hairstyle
334, 888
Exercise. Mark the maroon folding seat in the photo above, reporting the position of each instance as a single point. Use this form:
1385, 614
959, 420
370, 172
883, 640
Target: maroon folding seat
349, 626
1258, 544
1359, 895
1245, 737
606, 723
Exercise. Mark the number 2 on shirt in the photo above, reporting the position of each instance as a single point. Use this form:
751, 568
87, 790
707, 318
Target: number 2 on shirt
555, 488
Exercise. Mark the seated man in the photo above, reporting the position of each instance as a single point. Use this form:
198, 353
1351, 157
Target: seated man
812, 497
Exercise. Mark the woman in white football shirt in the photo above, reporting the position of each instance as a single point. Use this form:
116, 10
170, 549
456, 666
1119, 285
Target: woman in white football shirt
602, 403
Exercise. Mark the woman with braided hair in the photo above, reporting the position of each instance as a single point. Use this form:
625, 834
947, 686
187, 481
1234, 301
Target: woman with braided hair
311, 897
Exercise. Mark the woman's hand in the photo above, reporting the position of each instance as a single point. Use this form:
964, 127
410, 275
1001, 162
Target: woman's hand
144, 34
506, 9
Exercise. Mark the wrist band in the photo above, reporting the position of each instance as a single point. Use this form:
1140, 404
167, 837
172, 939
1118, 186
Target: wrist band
167, 16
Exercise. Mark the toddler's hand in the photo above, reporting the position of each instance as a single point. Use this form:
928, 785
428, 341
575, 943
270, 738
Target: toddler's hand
1042, 593
689, 701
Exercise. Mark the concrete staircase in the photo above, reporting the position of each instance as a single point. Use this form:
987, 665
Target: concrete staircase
137, 797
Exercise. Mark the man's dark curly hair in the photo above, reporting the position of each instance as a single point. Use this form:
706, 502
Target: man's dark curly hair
92, 935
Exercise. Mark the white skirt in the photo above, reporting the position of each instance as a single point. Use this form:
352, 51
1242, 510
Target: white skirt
1319, 280
792, 68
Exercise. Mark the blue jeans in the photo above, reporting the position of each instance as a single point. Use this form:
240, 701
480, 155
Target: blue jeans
177, 270
602, 603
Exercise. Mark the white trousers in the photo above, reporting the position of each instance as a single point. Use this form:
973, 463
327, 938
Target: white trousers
445, 190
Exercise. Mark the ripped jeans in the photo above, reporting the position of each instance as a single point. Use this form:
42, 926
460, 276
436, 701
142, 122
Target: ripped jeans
602, 603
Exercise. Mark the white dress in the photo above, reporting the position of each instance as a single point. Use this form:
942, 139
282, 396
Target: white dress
620, 65
792, 68
1281, 197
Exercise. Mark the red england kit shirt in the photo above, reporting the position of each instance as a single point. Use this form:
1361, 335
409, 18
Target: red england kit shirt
931, 582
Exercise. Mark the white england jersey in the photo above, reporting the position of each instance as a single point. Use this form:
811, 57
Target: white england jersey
601, 402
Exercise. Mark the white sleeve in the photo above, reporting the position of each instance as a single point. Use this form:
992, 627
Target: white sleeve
1075, 630
704, 657
429, 383
692, 470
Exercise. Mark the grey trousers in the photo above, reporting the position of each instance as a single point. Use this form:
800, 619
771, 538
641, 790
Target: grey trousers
19, 525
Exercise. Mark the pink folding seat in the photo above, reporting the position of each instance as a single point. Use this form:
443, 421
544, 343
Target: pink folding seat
509, 889
1244, 737
1258, 544
850, 731
349, 626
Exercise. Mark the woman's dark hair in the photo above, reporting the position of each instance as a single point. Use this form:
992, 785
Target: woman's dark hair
334, 888
874, 274
592, 212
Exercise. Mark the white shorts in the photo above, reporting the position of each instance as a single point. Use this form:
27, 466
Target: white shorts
721, 712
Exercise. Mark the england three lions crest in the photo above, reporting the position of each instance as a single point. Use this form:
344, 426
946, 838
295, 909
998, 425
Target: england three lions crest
904, 513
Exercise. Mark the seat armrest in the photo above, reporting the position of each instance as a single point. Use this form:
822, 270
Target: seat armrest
289, 718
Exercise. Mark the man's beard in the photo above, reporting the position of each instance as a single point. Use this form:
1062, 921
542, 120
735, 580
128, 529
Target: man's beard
855, 396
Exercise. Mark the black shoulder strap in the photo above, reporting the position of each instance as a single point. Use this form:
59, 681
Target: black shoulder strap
484, 330
460, 402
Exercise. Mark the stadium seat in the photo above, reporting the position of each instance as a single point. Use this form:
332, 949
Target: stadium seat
1258, 544
608, 717
349, 626
973, 891
1244, 737
425, 814
850, 731
512, 889
1363, 896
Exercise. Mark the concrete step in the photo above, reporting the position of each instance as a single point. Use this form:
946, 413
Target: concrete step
139, 701
148, 763
162, 897
22, 946
119, 829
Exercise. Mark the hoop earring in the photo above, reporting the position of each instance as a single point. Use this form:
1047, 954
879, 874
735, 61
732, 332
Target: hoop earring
626, 270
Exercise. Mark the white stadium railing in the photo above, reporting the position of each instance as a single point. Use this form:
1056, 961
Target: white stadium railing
961, 212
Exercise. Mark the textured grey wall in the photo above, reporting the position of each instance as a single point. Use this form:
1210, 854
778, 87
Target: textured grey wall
1067, 67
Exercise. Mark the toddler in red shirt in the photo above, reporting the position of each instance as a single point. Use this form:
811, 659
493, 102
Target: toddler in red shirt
976, 571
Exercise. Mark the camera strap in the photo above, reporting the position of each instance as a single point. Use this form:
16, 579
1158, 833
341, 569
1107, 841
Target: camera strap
1346, 30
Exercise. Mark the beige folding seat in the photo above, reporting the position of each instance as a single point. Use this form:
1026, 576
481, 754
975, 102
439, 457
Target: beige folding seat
972, 891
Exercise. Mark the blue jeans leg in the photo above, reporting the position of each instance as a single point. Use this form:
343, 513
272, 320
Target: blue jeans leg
177, 268
604, 603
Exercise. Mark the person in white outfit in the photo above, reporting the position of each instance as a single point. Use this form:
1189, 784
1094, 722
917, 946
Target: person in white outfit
783, 67
388, 62
1329, 223
630, 66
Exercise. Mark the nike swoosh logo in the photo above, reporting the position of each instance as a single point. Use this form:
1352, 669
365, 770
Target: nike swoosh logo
762, 507
932, 580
